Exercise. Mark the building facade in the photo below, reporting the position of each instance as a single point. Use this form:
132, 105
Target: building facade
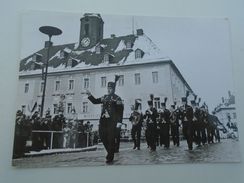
226, 111
90, 64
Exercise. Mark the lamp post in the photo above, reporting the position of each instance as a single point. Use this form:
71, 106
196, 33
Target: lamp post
50, 31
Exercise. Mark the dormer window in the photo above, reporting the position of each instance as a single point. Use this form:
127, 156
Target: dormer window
107, 58
62, 54
138, 54
128, 45
98, 49
37, 57
36, 61
34, 58
72, 62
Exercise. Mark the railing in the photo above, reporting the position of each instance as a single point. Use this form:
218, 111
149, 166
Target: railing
61, 132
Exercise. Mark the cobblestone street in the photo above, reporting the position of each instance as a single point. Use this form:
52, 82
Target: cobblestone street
225, 151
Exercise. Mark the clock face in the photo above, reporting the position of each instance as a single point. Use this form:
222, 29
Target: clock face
85, 42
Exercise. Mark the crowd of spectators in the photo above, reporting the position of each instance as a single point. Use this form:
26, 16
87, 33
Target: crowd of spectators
35, 133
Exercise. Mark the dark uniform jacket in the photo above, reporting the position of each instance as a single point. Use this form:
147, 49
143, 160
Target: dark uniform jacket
112, 107
188, 113
150, 117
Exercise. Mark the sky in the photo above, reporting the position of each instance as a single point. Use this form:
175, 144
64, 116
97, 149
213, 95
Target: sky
199, 47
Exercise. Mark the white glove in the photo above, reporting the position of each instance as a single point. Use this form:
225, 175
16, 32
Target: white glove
119, 125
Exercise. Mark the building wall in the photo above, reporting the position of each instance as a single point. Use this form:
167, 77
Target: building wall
168, 85
223, 115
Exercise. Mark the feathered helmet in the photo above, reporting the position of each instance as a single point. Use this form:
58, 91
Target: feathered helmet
163, 104
113, 84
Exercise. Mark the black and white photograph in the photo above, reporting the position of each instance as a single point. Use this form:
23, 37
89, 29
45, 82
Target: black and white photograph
107, 90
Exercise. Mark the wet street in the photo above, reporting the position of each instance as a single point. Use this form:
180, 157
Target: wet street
225, 151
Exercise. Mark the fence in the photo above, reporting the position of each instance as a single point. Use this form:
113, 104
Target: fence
87, 136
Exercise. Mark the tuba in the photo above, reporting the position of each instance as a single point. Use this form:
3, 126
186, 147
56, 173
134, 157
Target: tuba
136, 117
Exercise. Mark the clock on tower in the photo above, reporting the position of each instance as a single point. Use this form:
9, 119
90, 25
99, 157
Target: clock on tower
85, 42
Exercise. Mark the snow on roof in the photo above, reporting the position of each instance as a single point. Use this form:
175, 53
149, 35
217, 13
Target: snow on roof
38, 54
57, 54
151, 51
121, 46
92, 15
28, 60
87, 58
67, 50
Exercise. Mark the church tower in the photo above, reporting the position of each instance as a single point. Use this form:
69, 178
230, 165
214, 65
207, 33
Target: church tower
91, 30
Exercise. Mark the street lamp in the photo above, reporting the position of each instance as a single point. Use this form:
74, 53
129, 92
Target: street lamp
50, 31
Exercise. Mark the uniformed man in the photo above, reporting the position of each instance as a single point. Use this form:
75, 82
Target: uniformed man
187, 122
174, 125
150, 118
203, 124
136, 120
196, 123
164, 125
111, 116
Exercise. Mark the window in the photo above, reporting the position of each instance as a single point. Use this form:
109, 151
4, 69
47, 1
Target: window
86, 82
138, 53
42, 87
57, 85
157, 102
71, 84
69, 107
103, 81
128, 45
121, 80
86, 29
85, 107
55, 108
98, 49
137, 79
23, 107
155, 77
26, 87
106, 58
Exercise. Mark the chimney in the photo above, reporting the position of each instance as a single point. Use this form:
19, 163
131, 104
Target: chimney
229, 93
139, 32
48, 43
223, 100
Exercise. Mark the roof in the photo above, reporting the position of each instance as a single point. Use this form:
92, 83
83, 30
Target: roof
115, 46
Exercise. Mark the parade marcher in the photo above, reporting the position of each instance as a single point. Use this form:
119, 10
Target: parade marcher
196, 123
187, 123
174, 125
136, 120
203, 122
164, 124
111, 115
150, 117
118, 136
